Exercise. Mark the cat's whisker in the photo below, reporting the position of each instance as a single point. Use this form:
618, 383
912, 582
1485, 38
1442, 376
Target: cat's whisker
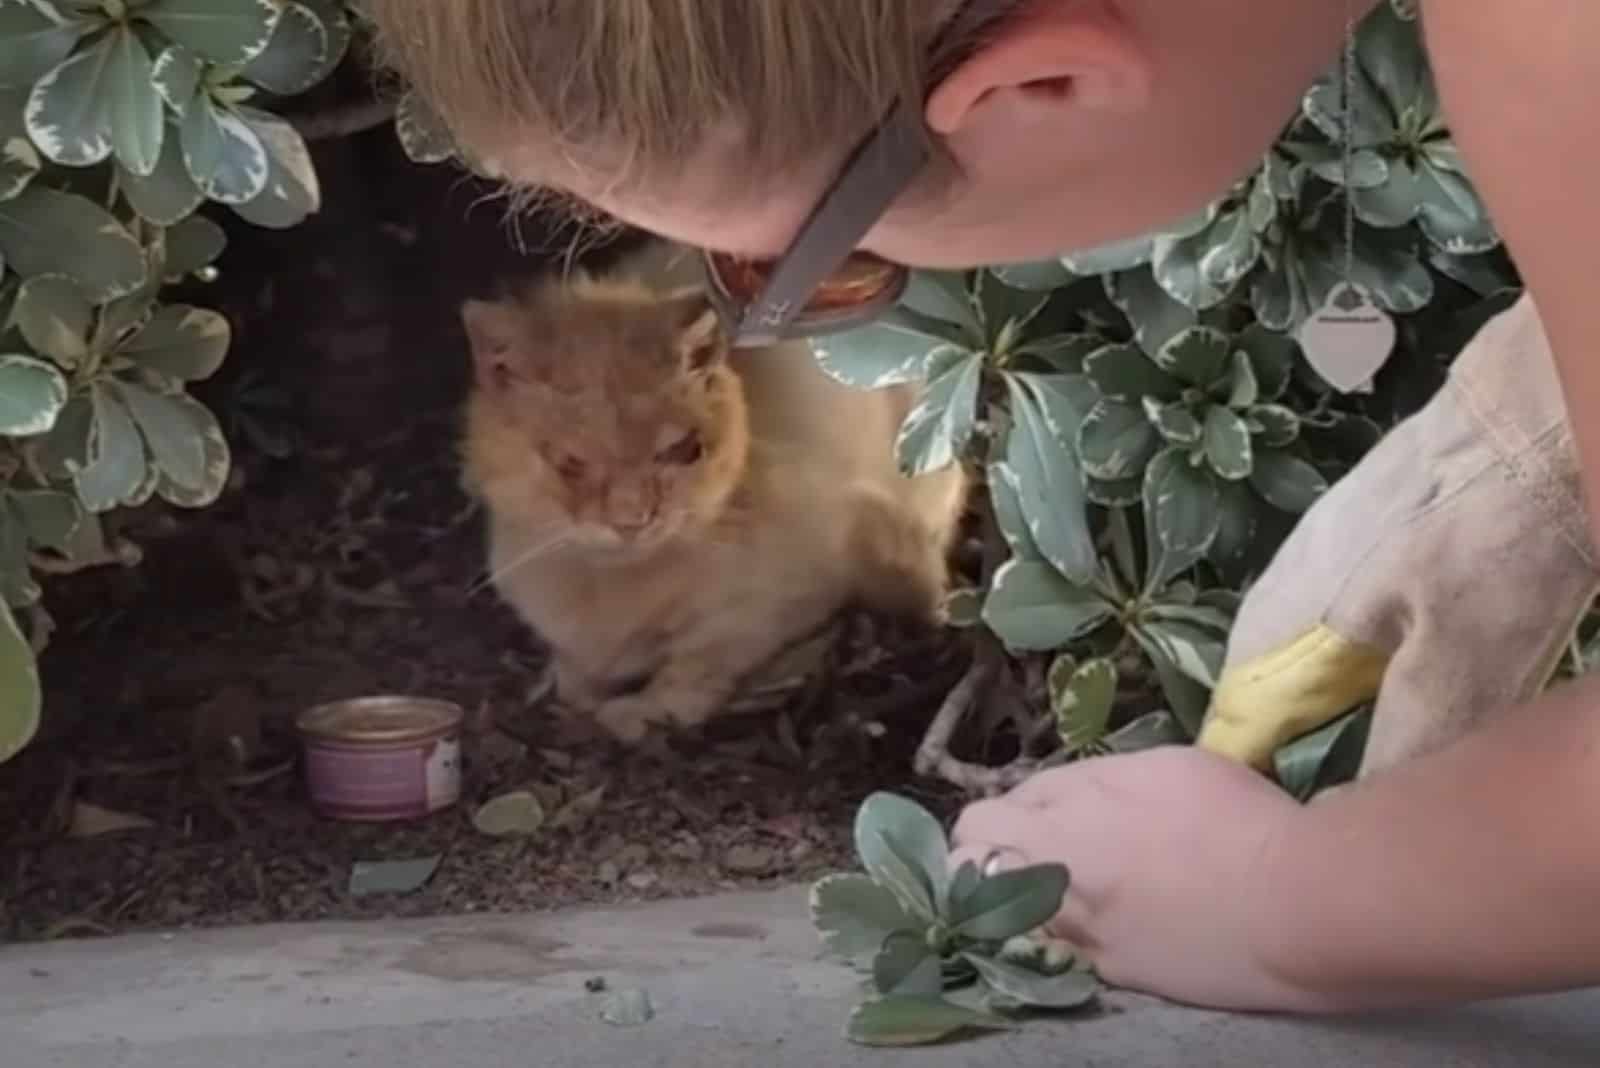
527, 556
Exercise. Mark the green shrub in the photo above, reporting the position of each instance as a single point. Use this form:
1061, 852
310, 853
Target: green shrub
119, 119
1148, 425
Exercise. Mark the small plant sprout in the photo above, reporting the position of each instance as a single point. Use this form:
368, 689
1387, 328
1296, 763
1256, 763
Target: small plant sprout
944, 952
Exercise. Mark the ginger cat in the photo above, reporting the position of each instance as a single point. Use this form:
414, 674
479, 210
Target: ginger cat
667, 515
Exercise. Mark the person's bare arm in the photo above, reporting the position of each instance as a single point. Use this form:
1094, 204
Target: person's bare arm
1474, 872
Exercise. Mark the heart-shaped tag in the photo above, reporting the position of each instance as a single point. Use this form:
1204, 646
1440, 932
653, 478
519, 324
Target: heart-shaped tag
1348, 339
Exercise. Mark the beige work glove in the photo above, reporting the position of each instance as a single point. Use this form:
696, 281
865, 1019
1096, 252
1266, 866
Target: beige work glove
1444, 574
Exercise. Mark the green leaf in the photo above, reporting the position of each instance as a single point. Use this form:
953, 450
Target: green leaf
1014, 902
21, 696
1154, 315
1451, 215
51, 518
915, 1021
69, 110
1149, 731
1196, 355
294, 58
1039, 276
895, 349
1176, 263
335, 20
223, 153
64, 451
962, 885
193, 243
174, 446
1272, 358
1001, 481
1187, 698
1067, 990
54, 317
46, 231
1286, 482
1279, 425
137, 122
1233, 250
116, 470
176, 76
1196, 651
937, 429
32, 42
1082, 697
1121, 493
1110, 257
1175, 422
225, 32
1394, 203
1227, 443
32, 394
905, 966
182, 342
292, 192
1181, 504
168, 193
1394, 275
1032, 607
1237, 524
1124, 373
1324, 757
1243, 389
943, 295
217, 458
422, 133
854, 915
1049, 483
18, 157
1065, 353
903, 847
1115, 441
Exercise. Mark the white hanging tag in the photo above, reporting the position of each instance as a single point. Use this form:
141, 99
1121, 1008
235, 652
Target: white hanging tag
1348, 339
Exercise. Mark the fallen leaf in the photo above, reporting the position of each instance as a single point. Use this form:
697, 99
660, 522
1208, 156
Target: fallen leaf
627, 1008
89, 820
391, 876
516, 813
747, 859
579, 809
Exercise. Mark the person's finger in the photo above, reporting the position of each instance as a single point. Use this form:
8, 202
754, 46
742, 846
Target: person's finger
1015, 837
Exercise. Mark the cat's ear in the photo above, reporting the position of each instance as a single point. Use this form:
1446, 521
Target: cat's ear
497, 339
699, 340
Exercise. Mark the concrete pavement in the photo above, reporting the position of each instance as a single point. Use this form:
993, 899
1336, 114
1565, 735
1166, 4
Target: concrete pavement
734, 980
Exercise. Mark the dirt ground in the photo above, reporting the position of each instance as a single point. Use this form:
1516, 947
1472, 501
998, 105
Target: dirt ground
346, 561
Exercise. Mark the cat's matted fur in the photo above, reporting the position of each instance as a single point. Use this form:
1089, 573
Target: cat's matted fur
667, 515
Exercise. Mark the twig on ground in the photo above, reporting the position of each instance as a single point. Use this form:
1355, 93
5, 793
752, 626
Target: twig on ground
933, 754
119, 551
343, 121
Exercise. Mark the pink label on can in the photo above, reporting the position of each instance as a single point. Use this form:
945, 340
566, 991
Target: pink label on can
367, 781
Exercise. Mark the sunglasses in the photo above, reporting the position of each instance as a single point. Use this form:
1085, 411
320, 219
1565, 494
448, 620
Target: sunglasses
822, 284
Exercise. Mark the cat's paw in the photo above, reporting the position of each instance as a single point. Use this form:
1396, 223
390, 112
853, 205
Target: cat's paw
628, 719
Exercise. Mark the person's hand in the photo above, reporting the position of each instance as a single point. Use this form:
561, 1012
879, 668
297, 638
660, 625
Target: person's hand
1164, 849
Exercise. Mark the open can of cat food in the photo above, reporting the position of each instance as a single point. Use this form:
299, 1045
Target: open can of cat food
383, 757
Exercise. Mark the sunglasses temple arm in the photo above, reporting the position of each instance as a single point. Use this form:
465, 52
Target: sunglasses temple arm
875, 175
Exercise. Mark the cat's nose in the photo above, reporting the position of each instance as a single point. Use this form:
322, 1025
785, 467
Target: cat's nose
631, 512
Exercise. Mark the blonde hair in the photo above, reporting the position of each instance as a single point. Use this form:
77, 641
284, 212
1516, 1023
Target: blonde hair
638, 86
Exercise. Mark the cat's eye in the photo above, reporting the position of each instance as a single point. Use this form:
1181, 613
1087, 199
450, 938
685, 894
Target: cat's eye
686, 450
570, 467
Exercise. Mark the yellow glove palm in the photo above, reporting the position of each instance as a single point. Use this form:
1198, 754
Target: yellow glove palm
1443, 575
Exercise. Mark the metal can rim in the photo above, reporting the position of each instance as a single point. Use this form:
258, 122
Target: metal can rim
380, 719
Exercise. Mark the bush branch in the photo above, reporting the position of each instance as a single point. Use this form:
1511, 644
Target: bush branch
343, 121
